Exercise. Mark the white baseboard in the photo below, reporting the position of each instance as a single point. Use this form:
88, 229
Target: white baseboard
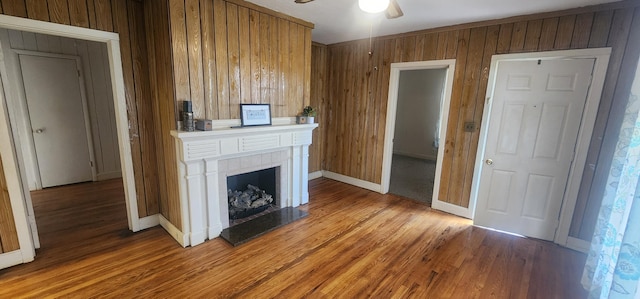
578, 244
451, 209
109, 175
315, 175
11, 258
179, 236
149, 221
353, 181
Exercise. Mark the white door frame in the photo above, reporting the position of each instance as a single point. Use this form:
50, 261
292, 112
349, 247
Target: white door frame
85, 113
392, 104
601, 56
9, 142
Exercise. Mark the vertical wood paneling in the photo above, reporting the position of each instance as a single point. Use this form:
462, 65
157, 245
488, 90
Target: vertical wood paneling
233, 50
532, 37
264, 54
565, 32
91, 13
244, 57
580, 39
16, 8
318, 97
591, 188
209, 60
59, 11
78, 13
148, 203
37, 10
274, 62
284, 66
121, 26
452, 152
165, 105
104, 19
179, 51
518, 36
194, 46
430, 47
222, 63
504, 38
8, 233
472, 48
548, 34
441, 50
600, 29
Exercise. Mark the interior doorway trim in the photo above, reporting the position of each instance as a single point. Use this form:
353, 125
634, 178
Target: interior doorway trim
392, 105
601, 56
17, 193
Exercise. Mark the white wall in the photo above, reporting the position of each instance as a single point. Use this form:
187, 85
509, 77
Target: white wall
95, 64
418, 113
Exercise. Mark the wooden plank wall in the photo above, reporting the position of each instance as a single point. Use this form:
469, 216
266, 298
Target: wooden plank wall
125, 17
8, 233
358, 85
319, 92
222, 53
231, 52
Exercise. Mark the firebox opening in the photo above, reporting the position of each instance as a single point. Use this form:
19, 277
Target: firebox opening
252, 194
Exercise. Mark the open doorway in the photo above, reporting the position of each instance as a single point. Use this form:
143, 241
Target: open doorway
11, 138
63, 106
416, 136
417, 112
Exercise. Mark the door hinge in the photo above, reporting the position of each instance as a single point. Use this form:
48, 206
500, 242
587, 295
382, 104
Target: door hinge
91, 163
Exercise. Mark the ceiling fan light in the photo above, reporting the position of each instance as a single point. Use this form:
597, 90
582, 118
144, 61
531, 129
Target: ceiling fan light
373, 6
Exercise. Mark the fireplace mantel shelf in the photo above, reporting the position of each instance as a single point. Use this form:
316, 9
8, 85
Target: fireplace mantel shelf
206, 158
228, 131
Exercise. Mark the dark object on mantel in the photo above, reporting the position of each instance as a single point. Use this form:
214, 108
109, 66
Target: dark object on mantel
254, 228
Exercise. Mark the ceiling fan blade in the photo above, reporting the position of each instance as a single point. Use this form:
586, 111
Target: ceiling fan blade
393, 11
302, 1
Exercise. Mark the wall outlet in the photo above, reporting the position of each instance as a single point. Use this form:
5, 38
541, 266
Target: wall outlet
469, 126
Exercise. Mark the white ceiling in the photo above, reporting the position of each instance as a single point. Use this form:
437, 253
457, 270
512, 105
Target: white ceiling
341, 20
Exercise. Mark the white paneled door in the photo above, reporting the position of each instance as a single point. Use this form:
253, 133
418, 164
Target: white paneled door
535, 118
56, 106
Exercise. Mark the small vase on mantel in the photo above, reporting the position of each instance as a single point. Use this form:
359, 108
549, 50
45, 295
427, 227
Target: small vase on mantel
301, 119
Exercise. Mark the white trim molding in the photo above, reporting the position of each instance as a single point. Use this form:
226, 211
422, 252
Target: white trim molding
315, 175
182, 239
149, 221
392, 104
11, 258
8, 142
353, 181
601, 56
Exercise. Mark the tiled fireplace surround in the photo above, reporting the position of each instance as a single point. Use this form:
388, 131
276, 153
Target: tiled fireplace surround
207, 158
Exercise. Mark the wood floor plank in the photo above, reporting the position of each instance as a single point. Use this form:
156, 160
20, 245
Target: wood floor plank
354, 243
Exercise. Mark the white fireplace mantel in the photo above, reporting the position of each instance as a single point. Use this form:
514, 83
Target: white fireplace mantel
204, 158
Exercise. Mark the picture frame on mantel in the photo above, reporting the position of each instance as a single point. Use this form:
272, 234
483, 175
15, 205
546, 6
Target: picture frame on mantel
255, 115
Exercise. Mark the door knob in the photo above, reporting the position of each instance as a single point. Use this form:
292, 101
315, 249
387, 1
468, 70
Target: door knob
38, 131
488, 161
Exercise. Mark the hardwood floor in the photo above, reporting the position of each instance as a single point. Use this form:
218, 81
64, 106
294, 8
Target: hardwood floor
354, 243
